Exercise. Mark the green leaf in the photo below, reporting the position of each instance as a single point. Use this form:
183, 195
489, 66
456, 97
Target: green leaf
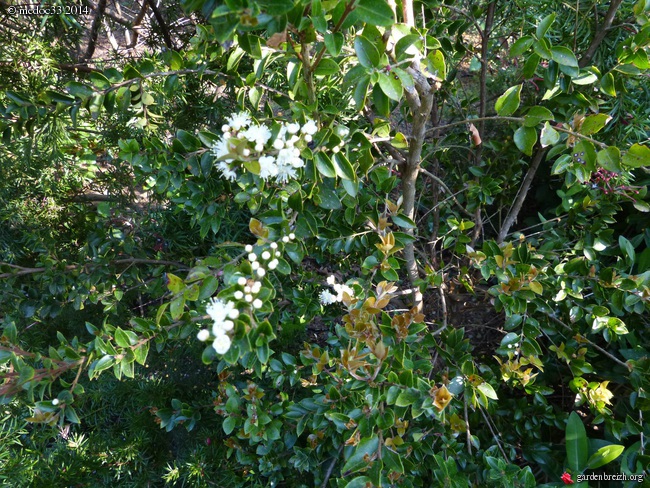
525, 139
357, 461
544, 25
610, 159
141, 353
521, 45
343, 167
326, 67
403, 221
125, 338
402, 46
324, 165
366, 52
536, 115
487, 390
208, 287
407, 397
564, 56
174, 283
391, 86
359, 482
176, 307
577, 447
604, 455
594, 123
276, 7
436, 64
333, 42
637, 156
549, 135
328, 198
229, 424
607, 84
361, 92
508, 103
375, 12
627, 246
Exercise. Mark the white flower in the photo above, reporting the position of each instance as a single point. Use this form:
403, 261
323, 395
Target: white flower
239, 295
219, 312
225, 128
273, 264
309, 128
308, 138
278, 143
261, 272
248, 248
240, 120
203, 335
259, 134
252, 257
255, 265
341, 289
221, 344
246, 152
226, 171
278, 254
259, 147
285, 239
293, 128
286, 173
248, 298
268, 167
266, 255
221, 148
55, 401
342, 131
247, 289
257, 286
241, 281
336, 149
257, 303
326, 298
331, 279
274, 245
292, 236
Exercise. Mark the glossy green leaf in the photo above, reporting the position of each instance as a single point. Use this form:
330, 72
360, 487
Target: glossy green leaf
342, 167
324, 165
610, 159
525, 139
604, 455
637, 156
521, 45
549, 135
391, 86
607, 85
333, 42
366, 52
407, 397
594, 123
508, 103
536, 115
577, 447
564, 56
364, 450
544, 25
375, 12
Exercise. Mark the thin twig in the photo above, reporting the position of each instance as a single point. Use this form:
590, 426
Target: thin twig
496, 438
330, 468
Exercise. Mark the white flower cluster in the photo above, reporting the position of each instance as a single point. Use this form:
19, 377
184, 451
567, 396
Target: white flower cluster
223, 313
327, 297
278, 157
